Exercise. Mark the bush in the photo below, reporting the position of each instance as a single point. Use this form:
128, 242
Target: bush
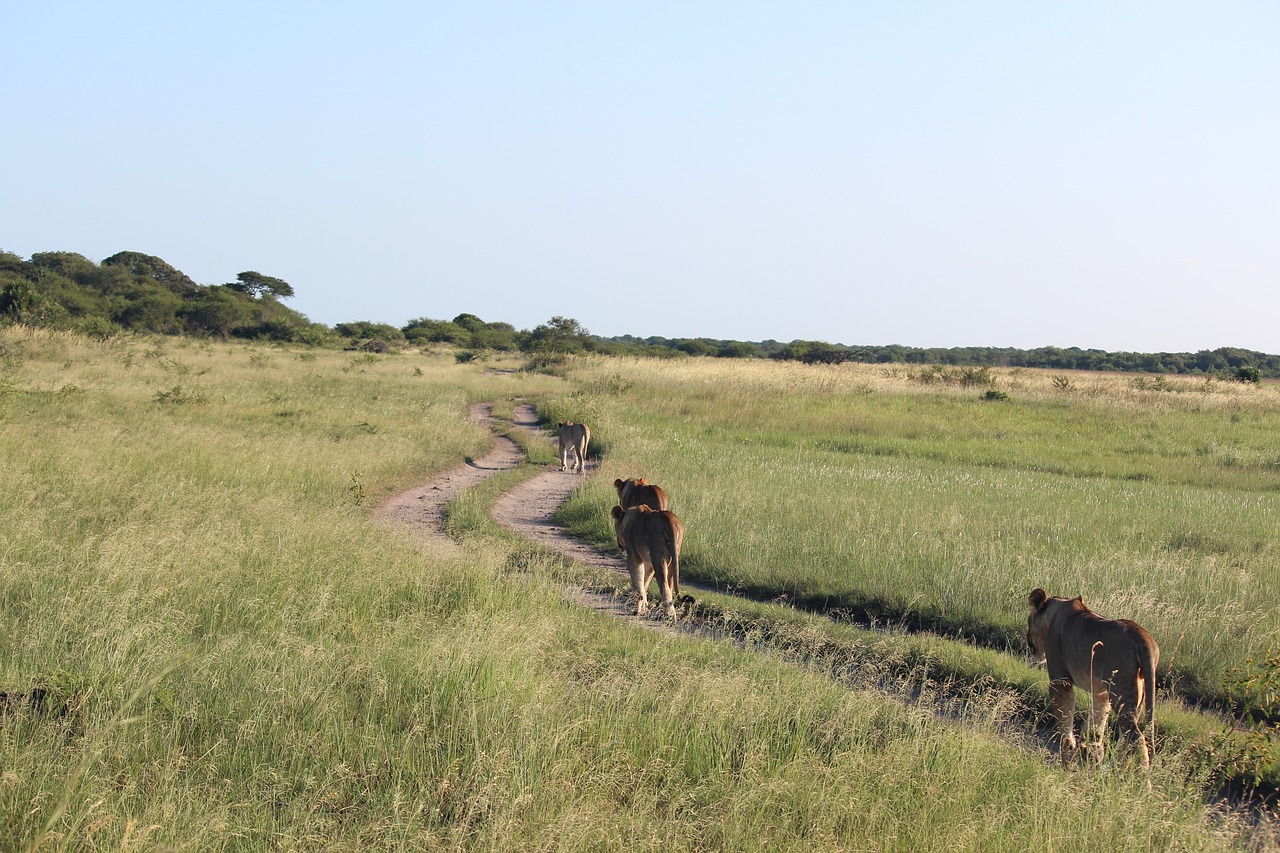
995, 395
1248, 373
178, 396
98, 327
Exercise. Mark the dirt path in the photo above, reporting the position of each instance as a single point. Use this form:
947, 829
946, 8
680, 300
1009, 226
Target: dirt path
526, 510
420, 510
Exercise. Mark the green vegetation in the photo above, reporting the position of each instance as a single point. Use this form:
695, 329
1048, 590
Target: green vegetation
231, 655
860, 489
130, 291
142, 293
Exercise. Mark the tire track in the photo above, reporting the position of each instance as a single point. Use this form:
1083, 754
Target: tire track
526, 510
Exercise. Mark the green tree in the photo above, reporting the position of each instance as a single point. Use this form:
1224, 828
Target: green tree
151, 267
496, 336
738, 349
69, 264
559, 334
696, 346
470, 322
257, 285
365, 330
218, 311
425, 330
22, 302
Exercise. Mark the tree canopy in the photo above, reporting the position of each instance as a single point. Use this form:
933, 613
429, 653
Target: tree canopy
134, 291
257, 285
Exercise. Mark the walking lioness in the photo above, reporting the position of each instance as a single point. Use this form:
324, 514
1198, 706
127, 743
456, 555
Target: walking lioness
574, 437
651, 540
636, 492
1114, 659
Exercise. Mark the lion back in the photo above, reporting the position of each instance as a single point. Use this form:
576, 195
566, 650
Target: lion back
654, 534
1118, 652
636, 492
571, 434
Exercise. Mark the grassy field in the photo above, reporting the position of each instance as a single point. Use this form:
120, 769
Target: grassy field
237, 658
870, 489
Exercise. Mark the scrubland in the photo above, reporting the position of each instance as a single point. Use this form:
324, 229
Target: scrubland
236, 657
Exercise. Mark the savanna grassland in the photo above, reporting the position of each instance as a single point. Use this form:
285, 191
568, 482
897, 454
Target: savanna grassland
235, 657
890, 492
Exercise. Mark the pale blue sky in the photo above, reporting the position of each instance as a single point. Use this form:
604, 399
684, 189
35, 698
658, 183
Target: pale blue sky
1021, 173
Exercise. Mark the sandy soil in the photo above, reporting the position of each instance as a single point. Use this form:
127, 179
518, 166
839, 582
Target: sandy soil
420, 510
525, 510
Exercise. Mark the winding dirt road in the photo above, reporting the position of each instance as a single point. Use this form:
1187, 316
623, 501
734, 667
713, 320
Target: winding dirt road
526, 510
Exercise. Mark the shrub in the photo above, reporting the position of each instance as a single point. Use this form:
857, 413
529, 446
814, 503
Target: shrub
98, 327
995, 395
1248, 373
976, 376
177, 395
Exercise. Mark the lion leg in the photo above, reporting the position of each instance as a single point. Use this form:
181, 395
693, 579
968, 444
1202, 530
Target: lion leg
1062, 698
640, 584
664, 583
1135, 738
1098, 723
564, 457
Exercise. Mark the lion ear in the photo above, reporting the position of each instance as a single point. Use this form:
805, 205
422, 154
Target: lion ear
617, 512
617, 484
1037, 598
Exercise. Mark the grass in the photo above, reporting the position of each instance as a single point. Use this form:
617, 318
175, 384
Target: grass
240, 659
854, 489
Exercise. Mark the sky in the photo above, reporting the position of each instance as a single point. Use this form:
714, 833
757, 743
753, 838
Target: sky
935, 174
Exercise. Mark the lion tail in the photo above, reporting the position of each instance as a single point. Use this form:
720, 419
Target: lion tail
675, 562
1147, 664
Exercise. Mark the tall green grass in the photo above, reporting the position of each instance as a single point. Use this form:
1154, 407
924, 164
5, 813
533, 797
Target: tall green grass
239, 658
853, 488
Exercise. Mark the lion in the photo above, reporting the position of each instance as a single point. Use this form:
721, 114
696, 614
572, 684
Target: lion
636, 492
1113, 659
574, 437
651, 540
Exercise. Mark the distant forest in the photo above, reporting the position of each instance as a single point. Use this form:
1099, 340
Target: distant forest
135, 292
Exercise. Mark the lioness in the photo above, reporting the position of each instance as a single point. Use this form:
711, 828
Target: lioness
1114, 659
651, 540
574, 437
636, 492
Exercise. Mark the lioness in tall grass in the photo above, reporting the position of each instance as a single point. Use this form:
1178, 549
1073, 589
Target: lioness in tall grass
573, 437
651, 539
1114, 659
637, 492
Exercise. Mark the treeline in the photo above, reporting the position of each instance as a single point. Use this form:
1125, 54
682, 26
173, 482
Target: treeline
131, 291
1224, 360
135, 292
